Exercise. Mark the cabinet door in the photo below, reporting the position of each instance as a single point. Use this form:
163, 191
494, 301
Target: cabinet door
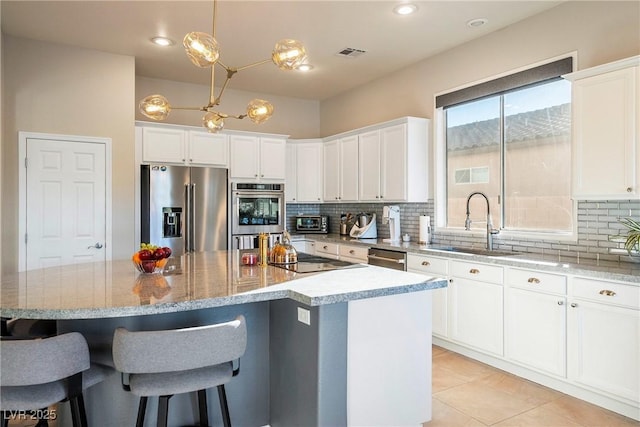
331, 171
476, 314
604, 348
536, 330
272, 153
211, 149
605, 132
291, 173
164, 145
245, 157
349, 169
309, 166
369, 166
393, 163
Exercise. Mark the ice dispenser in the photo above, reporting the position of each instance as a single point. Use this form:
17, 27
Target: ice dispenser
172, 222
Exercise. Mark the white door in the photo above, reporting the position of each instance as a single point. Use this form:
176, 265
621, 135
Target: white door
65, 211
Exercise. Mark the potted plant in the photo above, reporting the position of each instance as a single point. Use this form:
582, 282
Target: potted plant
632, 242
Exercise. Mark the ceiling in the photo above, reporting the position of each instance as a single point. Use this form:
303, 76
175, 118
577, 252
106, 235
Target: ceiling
248, 30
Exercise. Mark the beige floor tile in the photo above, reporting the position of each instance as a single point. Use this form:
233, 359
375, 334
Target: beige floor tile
588, 415
463, 366
520, 387
442, 379
538, 417
484, 403
437, 351
444, 415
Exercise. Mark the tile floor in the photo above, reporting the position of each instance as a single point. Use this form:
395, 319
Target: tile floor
467, 393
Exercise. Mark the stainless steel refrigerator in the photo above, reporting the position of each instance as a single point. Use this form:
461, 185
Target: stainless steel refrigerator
184, 208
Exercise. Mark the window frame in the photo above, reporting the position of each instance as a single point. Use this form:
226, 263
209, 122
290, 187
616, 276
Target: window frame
440, 167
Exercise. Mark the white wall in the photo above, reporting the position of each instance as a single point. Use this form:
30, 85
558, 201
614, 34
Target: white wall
59, 89
600, 31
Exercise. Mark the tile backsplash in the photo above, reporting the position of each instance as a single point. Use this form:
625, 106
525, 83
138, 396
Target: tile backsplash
597, 224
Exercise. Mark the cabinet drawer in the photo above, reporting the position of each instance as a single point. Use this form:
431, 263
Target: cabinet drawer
427, 264
614, 293
358, 252
326, 248
537, 281
475, 271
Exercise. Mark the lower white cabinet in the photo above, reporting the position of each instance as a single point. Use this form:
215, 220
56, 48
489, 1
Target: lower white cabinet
434, 267
535, 320
353, 253
604, 337
326, 249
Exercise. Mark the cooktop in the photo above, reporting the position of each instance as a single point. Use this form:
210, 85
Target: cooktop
313, 263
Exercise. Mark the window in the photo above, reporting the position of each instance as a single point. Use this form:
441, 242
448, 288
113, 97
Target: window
515, 147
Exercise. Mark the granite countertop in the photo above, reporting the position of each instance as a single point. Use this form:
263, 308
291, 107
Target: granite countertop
622, 271
194, 281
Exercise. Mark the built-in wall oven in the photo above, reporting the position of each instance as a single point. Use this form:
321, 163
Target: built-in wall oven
256, 208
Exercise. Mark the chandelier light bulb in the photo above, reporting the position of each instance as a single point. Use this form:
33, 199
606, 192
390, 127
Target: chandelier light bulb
155, 107
259, 110
202, 49
288, 54
213, 122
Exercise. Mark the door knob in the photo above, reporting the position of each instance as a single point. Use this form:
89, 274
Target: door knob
98, 245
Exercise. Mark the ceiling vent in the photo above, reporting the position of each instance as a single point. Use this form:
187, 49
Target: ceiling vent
350, 52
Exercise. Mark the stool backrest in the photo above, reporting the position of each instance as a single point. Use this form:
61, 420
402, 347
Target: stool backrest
39, 361
179, 349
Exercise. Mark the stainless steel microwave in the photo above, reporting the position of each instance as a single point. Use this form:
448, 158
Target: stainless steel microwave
312, 224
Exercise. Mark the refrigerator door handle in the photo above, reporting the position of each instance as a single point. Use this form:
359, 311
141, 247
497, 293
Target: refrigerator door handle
187, 222
192, 219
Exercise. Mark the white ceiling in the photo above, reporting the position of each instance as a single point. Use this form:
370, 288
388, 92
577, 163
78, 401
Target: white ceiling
247, 31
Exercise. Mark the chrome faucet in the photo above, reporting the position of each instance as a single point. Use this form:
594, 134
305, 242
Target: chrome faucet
490, 230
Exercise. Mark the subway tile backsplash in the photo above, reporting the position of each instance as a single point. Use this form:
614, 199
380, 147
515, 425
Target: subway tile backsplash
597, 225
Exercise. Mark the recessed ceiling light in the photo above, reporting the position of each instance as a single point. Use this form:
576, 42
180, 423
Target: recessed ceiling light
162, 41
305, 67
478, 22
405, 9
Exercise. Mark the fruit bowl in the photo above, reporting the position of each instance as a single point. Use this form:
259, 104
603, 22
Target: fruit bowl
151, 258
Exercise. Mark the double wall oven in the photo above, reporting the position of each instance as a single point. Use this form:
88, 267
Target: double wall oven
256, 208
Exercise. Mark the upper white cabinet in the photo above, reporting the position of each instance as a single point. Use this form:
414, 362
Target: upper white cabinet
304, 171
341, 169
183, 146
257, 158
393, 162
606, 131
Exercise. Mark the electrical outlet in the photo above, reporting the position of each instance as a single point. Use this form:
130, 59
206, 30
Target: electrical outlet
304, 316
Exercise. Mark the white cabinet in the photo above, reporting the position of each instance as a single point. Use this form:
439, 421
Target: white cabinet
393, 162
175, 145
304, 171
476, 306
606, 131
257, 158
353, 253
434, 267
326, 249
604, 337
535, 326
341, 169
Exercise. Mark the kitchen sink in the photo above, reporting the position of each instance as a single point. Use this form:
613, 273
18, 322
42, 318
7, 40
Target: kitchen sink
473, 251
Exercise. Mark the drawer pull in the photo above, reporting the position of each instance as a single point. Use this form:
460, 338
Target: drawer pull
474, 271
574, 305
560, 302
426, 263
533, 280
607, 292
352, 252
325, 247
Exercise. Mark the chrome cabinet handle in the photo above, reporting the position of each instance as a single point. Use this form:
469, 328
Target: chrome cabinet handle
474, 271
607, 292
352, 252
560, 302
426, 263
574, 305
325, 247
533, 280
629, 189
98, 245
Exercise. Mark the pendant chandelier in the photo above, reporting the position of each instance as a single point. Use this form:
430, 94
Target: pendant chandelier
203, 50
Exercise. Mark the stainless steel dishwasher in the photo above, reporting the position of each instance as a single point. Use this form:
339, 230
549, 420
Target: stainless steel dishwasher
389, 259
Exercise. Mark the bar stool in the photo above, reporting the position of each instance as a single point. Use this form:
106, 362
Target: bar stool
168, 362
36, 373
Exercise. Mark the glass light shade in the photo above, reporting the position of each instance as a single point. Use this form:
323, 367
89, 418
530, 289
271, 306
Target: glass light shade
288, 54
202, 49
155, 107
213, 122
259, 110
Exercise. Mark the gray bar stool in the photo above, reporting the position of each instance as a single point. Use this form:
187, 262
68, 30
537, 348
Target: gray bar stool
168, 362
37, 373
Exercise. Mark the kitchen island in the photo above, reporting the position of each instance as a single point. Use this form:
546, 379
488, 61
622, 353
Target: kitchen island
343, 347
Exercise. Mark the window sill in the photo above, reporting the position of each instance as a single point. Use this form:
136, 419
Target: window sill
507, 235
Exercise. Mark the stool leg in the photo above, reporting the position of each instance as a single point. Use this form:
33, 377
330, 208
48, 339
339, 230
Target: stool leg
5, 419
224, 408
75, 412
82, 411
202, 406
163, 411
142, 408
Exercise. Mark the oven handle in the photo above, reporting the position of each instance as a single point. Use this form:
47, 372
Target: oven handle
381, 258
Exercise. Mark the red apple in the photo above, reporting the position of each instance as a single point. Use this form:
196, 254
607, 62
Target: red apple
148, 266
158, 254
167, 252
145, 255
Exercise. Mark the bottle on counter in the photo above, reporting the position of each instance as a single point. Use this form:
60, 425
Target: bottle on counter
263, 249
